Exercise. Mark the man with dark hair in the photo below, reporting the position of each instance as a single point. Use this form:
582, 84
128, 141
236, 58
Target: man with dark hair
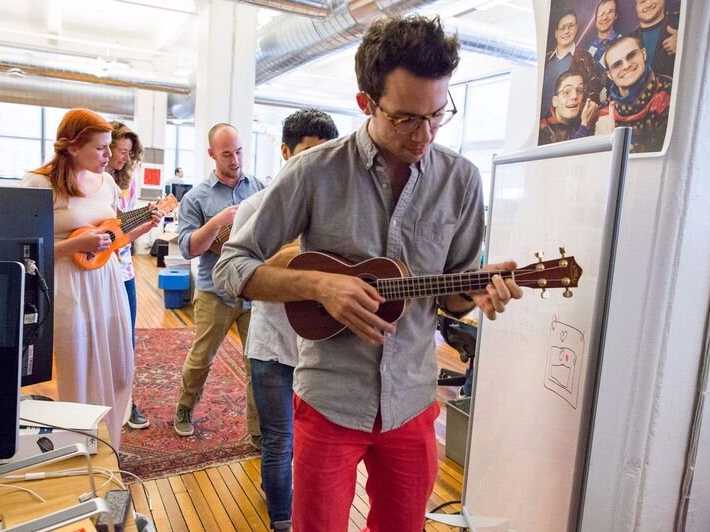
572, 112
204, 211
385, 190
271, 343
304, 129
640, 98
567, 56
605, 16
658, 33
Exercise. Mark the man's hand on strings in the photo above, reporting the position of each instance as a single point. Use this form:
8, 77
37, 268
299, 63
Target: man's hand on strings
499, 292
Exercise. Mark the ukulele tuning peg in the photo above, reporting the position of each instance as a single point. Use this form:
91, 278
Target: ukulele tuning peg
567, 293
539, 266
562, 251
544, 294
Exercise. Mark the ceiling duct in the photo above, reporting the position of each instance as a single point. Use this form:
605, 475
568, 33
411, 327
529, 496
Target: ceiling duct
16, 68
288, 42
66, 94
307, 8
490, 45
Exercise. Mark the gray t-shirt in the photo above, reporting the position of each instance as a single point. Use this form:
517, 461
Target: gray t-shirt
338, 197
270, 335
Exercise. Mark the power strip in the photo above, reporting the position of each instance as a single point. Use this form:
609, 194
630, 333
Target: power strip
119, 501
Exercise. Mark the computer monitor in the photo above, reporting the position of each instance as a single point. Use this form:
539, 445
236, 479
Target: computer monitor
12, 297
179, 190
27, 236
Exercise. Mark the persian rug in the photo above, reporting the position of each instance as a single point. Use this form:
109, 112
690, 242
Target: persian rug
220, 416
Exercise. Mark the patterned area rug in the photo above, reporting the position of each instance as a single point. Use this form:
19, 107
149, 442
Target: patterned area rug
220, 420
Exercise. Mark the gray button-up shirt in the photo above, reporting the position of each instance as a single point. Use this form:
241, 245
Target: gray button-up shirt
338, 196
197, 207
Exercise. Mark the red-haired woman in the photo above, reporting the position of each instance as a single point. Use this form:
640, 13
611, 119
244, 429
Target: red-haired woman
92, 322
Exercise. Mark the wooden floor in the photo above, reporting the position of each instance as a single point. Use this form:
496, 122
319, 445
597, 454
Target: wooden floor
229, 497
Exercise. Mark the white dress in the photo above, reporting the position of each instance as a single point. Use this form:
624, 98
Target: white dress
92, 322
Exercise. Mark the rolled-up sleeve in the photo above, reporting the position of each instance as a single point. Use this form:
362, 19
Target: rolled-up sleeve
282, 216
191, 219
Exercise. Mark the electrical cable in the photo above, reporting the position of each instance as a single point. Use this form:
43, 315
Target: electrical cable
444, 505
20, 488
440, 507
32, 269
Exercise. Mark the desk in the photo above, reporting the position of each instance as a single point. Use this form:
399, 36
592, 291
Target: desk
18, 506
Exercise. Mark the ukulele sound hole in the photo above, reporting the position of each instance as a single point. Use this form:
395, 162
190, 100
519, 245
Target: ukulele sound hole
111, 235
368, 278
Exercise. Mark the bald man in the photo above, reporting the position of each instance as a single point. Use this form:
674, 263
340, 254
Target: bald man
204, 211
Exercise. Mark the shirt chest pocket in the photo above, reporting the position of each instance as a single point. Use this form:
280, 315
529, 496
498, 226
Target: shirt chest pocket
427, 244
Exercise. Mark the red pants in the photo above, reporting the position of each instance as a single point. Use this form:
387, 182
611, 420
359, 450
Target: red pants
401, 466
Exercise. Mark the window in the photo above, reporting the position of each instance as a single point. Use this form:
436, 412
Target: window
180, 150
485, 120
27, 135
267, 127
20, 139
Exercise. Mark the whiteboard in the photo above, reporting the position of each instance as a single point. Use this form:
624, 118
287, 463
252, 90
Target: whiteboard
537, 363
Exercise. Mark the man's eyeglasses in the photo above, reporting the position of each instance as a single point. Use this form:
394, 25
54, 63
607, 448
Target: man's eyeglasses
411, 123
569, 92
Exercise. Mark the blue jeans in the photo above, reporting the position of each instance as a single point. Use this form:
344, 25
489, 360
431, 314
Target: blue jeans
273, 394
131, 291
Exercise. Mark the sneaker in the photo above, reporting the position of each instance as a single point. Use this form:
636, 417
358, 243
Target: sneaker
137, 419
255, 440
183, 421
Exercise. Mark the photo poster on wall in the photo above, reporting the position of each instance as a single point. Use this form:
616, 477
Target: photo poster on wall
611, 63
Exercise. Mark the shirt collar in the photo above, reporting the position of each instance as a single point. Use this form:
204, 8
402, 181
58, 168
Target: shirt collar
368, 150
213, 179
570, 52
365, 147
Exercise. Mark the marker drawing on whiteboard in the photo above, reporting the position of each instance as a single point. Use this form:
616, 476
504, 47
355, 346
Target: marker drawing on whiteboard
565, 354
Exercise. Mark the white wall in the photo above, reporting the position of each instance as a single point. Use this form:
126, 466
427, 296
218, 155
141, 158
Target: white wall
660, 301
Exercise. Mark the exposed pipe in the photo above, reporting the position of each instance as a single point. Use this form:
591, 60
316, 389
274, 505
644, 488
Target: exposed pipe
306, 8
66, 94
490, 45
18, 68
288, 42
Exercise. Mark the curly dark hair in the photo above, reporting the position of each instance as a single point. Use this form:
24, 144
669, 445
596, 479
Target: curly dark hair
307, 123
415, 43
124, 175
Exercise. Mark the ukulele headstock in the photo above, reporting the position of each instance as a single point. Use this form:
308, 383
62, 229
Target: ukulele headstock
562, 272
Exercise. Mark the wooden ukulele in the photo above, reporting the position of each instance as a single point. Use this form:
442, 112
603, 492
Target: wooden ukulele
391, 278
117, 229
220, 239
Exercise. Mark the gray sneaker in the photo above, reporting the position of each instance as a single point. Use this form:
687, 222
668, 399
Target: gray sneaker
183, 421
137, 419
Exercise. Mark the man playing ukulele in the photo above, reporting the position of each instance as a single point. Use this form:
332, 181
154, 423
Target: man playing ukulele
385, 190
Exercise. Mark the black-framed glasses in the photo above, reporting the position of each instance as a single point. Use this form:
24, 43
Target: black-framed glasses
411, 123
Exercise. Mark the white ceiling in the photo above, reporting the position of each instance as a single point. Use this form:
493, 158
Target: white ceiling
159, 38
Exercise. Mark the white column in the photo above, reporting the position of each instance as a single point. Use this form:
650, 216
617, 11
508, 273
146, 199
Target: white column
150, 117
225, 75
